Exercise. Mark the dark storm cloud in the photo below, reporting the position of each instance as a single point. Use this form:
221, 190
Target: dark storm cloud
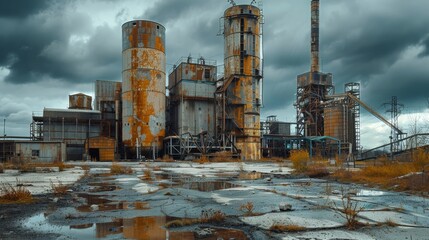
60, 44
165, 11
21, 8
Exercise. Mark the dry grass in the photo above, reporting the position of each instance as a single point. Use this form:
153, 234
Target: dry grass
59, 188
389, 222
211, 215
349, 210
181, 222
300, 160
317, 169
10, 194
248, 209
279, 228
389, 174
207, 216
147, 175
28, 166
202, 160
119, 169
167, 158
224, 156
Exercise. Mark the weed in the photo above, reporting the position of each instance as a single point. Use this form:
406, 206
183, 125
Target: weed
181, 222
147, 175
212, 215
203, 159
349, 210
247, 209
279, 228
85, 167
224, 156
389, 222
167, 158
59, 189
119, 169
10, 194
300, 160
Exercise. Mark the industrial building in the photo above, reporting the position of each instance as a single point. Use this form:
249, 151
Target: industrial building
203, 112
71, 126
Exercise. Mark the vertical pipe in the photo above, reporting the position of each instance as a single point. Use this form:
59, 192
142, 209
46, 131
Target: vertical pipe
315, 36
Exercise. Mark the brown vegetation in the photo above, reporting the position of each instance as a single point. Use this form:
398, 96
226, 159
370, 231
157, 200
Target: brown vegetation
349, 210
147, 175
119, 169
59, 189
211, 215
411, 175
18, 194
300, 160
278, 227
247, 209
207, 216
166, 158
28, 166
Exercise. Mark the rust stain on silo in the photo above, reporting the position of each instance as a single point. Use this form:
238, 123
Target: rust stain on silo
242, 30
144, 84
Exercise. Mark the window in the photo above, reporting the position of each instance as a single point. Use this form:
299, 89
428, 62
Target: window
207, 73
35, 153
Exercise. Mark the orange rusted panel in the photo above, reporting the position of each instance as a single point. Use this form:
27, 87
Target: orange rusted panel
143, 75
80, 101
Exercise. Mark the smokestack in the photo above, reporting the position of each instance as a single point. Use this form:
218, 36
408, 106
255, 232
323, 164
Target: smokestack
314, 35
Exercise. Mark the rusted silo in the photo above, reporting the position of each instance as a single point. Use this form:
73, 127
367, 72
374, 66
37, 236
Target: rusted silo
80, 101
243, 73
143, 90
339, 122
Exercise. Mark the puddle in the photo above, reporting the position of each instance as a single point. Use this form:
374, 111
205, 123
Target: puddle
103, 204
250, 175
209, 186
133, 228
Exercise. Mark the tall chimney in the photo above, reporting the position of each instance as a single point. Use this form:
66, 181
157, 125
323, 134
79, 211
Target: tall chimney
314, 35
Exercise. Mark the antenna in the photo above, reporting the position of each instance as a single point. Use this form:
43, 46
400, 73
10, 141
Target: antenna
253, 2
232, 2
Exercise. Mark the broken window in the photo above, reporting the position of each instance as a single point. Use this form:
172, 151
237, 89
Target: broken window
35, 153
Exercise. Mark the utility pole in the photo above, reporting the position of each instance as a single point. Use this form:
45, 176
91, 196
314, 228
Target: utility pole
394, 109
4, 139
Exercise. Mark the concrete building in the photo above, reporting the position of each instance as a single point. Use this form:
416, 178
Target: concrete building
192, 85
32, 151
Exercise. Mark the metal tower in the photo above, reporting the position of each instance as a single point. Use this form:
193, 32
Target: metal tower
313, 86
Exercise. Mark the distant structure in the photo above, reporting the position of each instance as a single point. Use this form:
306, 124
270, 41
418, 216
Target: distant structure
80, 101
192, 85
313, 86
238, 99
109, 102
143, 88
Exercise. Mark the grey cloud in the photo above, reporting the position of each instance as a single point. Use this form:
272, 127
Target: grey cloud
21, 8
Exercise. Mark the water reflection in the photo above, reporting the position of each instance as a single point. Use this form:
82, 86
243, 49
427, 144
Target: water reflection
149, 228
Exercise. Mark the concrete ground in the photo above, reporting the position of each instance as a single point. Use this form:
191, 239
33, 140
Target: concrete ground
141, 204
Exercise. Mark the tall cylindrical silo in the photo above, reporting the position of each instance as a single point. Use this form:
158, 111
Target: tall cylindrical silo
143, 90
243, 34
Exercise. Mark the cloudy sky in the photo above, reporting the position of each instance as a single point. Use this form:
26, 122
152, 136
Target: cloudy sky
52, 48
